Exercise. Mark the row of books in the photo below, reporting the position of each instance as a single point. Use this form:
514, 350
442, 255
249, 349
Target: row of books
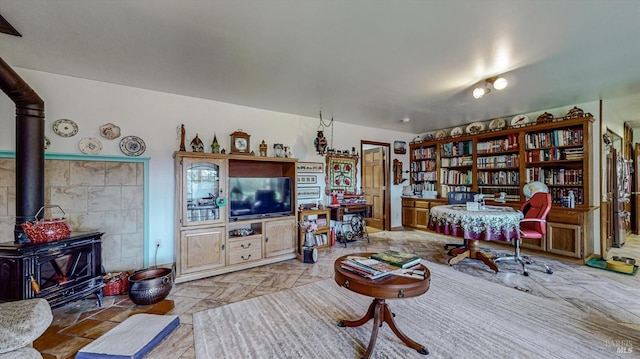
554, 176
457, 148
499, 161
456, 161
500, 145
381, 264
498, 178
454, 177
555, 154
424, 152
564, 137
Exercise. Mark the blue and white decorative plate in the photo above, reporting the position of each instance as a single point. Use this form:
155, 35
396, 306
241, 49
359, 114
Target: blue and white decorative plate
132, 146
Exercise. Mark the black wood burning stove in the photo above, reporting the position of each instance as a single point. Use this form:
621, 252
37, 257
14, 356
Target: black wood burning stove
60, 272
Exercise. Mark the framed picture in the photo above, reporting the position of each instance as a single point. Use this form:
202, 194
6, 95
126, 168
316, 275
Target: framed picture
308, 192
342, 173
310, 167
307, 179
399, 147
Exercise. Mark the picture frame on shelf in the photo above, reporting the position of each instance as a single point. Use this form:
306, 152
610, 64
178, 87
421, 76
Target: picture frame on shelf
307, 179
399, 147
308, 192
341, 173
310, 167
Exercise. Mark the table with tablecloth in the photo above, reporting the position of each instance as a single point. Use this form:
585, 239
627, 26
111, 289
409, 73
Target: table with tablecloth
491, 223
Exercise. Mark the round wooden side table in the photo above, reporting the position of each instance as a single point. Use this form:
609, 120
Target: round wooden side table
389, 287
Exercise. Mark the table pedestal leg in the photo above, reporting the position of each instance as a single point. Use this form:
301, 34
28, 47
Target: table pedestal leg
472, 251
380, 313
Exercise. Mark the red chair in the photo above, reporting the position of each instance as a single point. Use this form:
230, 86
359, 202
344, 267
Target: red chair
533, 225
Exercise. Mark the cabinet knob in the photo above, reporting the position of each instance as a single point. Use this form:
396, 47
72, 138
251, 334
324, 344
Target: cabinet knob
266, 239
223, 247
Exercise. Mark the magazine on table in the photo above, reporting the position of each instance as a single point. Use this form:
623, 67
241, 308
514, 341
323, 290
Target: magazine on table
398, 259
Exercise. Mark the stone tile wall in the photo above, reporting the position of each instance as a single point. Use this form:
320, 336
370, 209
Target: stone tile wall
96, 196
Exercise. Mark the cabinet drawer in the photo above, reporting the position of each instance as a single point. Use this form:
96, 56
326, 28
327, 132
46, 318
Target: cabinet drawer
422, 204
244, 249
561, 216
408, 202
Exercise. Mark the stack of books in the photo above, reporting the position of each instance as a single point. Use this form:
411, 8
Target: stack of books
398, 259
367, 267
381, 264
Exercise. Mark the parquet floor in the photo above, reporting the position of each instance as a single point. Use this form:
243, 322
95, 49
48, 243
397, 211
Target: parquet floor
589, 289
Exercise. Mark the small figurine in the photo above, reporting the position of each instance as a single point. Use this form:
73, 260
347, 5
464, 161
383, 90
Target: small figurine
278, 150
223, 151
263, 149
182, 133
215, 146
286, 152
197, 145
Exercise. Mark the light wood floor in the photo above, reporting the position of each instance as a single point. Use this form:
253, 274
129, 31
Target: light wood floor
75, 325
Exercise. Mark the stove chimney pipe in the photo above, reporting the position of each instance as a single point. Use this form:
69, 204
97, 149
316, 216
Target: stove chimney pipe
29, 147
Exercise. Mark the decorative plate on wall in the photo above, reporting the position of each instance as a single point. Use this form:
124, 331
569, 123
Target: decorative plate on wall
441, 134
110, 131
47, 142
497, 124
520, 120
132, 146
65, 128
475, 127
457, 131
90, 146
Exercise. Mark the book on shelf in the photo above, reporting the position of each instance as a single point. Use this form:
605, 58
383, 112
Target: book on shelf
398, 259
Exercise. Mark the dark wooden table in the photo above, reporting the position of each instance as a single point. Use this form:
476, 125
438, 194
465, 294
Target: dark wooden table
389, 287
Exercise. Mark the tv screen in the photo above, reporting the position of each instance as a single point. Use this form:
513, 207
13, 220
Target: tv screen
253, 197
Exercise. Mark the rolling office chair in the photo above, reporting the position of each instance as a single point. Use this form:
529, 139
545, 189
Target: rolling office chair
533, 225
459, 197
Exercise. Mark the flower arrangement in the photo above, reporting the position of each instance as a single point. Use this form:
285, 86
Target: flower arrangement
309, 226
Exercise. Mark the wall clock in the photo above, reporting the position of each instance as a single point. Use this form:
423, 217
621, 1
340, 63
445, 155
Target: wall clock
240, 143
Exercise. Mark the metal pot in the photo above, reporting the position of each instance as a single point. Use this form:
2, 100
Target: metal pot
149, 286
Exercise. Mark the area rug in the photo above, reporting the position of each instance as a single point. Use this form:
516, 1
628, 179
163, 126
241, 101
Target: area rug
460, 316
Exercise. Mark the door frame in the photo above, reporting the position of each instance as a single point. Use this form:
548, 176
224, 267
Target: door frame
387, 169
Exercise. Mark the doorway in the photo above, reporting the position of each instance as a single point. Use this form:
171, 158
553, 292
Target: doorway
375, 182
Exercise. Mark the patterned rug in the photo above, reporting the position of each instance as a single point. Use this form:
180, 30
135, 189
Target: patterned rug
461, 316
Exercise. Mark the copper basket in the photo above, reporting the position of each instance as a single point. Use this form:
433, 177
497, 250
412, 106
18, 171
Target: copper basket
115, 284
46, 230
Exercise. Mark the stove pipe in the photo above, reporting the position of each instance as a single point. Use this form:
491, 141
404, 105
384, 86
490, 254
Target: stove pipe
29, 148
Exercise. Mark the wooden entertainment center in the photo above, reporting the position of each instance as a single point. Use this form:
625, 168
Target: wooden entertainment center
207, 241
555, 152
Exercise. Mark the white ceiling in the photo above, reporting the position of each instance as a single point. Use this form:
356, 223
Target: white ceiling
369, 62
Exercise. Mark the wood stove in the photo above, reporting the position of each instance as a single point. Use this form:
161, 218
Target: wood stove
60, 272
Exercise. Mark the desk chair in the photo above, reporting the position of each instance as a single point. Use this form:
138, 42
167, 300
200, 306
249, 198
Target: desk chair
533, 225
459, 197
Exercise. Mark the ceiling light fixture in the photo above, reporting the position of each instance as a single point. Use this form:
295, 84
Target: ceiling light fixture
496, 82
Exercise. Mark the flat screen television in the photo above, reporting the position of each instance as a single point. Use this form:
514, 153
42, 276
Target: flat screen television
256, 197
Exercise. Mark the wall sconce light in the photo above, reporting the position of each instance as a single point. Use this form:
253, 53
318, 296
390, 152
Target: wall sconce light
496, 82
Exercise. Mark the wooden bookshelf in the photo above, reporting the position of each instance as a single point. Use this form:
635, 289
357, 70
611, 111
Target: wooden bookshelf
556, 153
322, 218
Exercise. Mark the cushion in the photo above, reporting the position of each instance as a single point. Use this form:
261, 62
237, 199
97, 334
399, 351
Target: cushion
22, 353
21, 322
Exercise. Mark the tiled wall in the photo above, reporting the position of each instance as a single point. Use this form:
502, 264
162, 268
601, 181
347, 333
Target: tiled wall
96, 196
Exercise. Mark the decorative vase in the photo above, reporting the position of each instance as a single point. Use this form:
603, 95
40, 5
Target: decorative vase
308, 239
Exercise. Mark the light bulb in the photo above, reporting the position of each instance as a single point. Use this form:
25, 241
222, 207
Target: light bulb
479, 92
500, 83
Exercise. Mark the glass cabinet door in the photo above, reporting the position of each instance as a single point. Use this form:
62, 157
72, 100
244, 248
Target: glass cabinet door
204, 198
